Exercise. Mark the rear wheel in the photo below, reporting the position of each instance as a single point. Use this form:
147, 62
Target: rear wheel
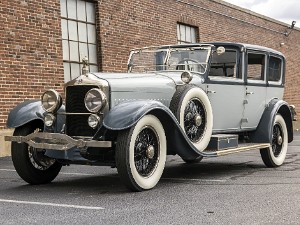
30, 163
141, 154
274, 156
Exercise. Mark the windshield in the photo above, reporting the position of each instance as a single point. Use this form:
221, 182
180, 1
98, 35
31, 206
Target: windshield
193, 59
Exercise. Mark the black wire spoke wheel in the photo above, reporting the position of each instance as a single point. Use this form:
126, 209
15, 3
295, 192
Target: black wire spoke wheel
37, 157
39, 160
277, 140
194, 120
146, 152
141, 153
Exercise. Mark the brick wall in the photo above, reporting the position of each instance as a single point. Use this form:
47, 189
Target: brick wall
30, 41
30, 51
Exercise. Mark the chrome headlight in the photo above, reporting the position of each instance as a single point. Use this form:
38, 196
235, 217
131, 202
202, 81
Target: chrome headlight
49, 120
94, 121
51, 101
94, 100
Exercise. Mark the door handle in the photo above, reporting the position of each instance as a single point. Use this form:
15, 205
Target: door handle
249, 92
212, 92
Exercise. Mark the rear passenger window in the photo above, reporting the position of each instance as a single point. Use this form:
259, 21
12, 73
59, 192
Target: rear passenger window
275, 69
256, 66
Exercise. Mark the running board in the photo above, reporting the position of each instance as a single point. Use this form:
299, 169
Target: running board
240, 148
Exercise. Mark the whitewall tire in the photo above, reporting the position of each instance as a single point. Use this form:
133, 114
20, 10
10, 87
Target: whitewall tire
274, 156
193, 111
141, 154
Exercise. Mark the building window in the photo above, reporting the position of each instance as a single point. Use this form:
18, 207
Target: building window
78, 25
186, 34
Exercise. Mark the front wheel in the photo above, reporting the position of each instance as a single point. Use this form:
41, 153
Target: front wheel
274, 156
141, 154
31, 164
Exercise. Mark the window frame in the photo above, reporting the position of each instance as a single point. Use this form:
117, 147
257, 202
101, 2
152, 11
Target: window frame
184, 41
68, 63
237, 76
256, 82
280, 81
239, 80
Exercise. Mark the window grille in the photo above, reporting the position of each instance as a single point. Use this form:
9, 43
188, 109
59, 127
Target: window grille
78, 23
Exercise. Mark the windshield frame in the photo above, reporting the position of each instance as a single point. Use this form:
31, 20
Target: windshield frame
169, 49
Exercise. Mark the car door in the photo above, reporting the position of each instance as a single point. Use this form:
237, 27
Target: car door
255, 89
225, 88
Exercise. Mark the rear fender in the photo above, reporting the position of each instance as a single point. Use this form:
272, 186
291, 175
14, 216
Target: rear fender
264, 131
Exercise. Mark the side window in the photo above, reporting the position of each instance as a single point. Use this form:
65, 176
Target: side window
275, 69
224, 65
256, 66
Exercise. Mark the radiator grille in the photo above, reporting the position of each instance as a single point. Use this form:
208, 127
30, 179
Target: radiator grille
77, 125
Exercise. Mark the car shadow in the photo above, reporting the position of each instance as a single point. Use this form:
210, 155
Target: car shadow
110, 183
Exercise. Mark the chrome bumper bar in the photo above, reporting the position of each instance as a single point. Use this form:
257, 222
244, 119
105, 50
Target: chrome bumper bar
55, 141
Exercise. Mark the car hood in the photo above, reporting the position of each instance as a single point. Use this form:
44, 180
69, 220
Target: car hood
136, 82
145, 80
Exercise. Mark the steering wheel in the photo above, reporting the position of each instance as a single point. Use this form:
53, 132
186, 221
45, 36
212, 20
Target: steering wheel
185, 62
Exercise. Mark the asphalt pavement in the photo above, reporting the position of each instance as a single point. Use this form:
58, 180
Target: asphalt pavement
233, 189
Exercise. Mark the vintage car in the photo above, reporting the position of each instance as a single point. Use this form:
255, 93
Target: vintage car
194, 100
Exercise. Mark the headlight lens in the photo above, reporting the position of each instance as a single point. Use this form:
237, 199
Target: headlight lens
51, 101
94, 100
49, 120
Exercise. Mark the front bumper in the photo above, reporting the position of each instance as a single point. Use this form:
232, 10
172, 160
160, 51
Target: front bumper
55, 141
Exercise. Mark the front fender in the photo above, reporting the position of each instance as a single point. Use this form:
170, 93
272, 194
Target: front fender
264, 131
127, 114
28, 111
25, 112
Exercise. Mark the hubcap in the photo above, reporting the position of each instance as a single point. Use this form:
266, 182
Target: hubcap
198, 120
194, 120
279, 140
150, 152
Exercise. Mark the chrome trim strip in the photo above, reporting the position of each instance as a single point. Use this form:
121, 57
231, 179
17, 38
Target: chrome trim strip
55, 141
67, 113
243, 148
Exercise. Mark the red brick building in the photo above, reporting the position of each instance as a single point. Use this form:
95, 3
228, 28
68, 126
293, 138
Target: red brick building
42, 42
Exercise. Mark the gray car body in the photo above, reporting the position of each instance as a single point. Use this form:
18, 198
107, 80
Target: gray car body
134, 95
